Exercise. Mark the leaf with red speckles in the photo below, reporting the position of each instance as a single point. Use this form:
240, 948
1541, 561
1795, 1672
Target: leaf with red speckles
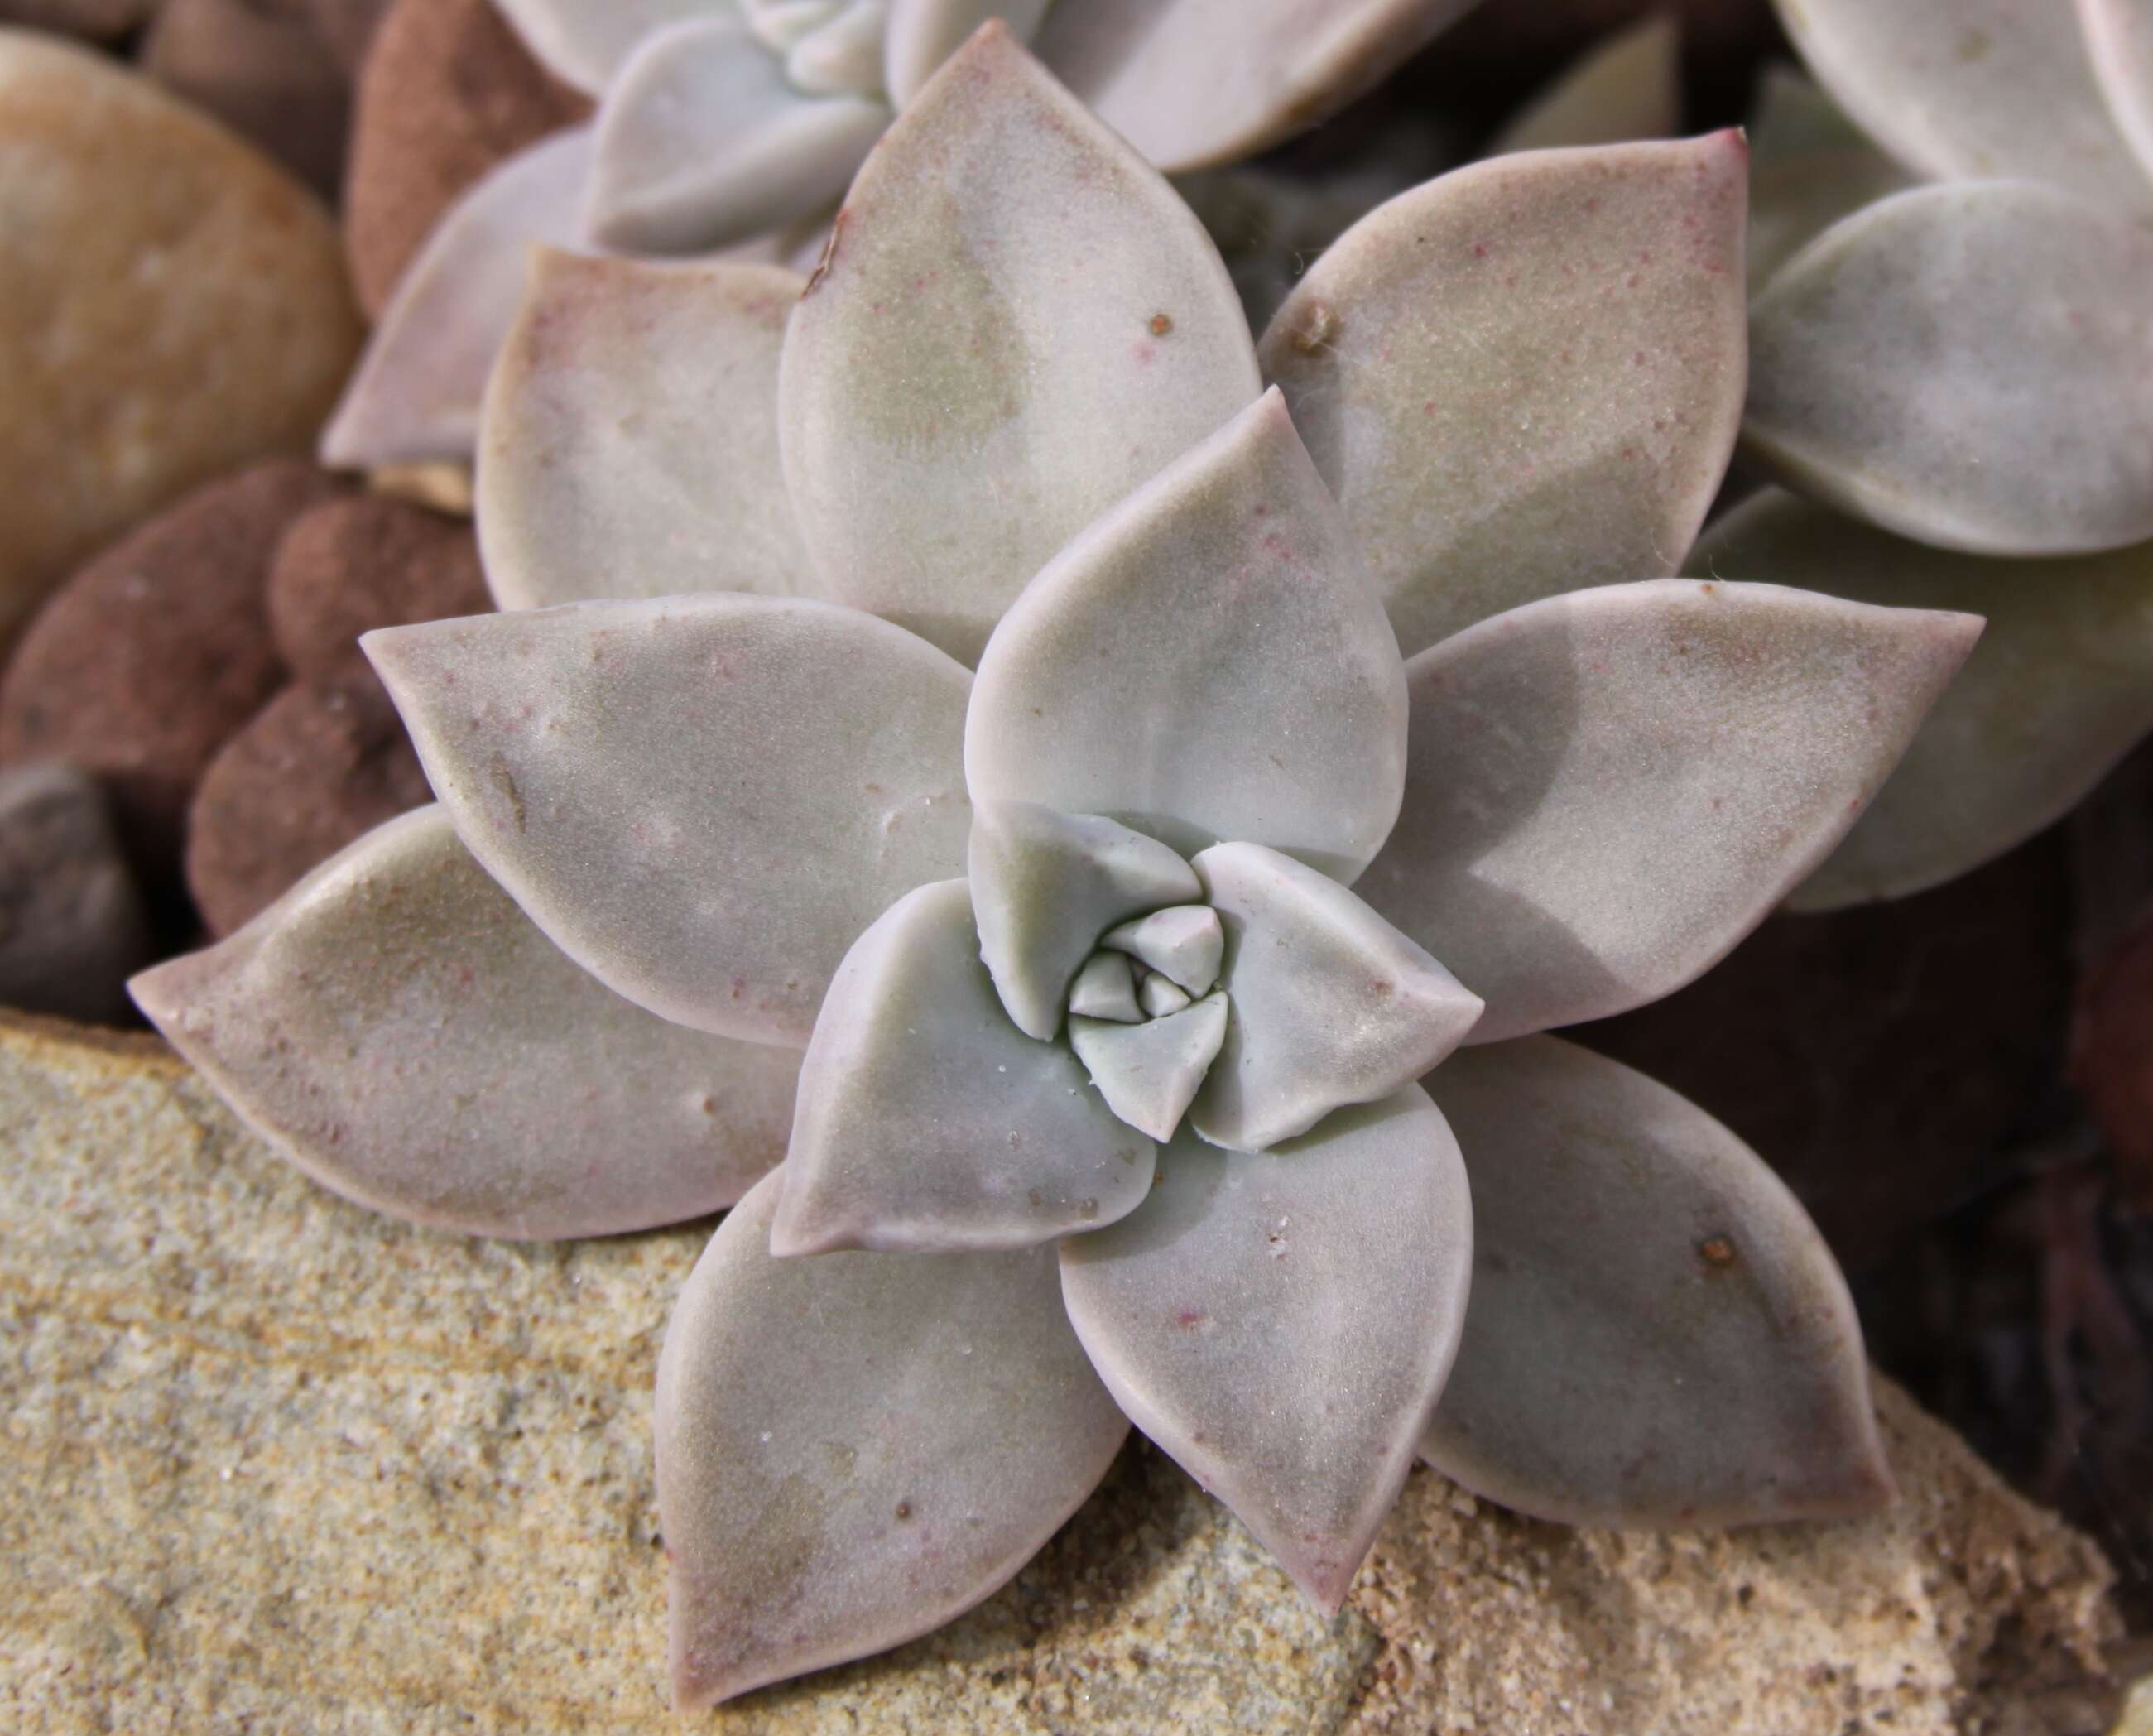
1281, 1323
703, 800
1959, 89
2120, 37
1195, 83
1970, 365
1017, 322
1209, 661
1525, 377
924, 33
629, 444
2059, 689
401, 1031
1658, 1335
1605, 792
855, 1449
931, 1124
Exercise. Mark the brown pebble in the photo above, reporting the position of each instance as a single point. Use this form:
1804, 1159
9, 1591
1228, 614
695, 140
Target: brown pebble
347, 27
262, 70
447, 92
151, 656
98, 20
322, 765
72, 926
349, 565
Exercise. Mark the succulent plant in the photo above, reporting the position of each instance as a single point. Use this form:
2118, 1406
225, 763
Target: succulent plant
1093, 993
736, 124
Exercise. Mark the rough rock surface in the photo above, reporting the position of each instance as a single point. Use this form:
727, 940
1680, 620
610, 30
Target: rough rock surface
71, 925
266, 72
274, 1464
155, 653
322, 764
447, 92
347, 566
173, 306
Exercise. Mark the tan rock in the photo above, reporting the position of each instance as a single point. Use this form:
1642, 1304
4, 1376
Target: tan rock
275, 1464
173, 305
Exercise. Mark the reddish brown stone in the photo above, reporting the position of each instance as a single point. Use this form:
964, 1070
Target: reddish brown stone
2112, 1055
149, 658
447, 91
347, 27
322, 764
263, 69
98, 19
349, 565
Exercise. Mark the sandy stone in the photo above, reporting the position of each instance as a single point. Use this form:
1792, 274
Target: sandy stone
155, 653
73, 928
173, 306
266, 72
447, 91
276, 1463
350, 565
321, 765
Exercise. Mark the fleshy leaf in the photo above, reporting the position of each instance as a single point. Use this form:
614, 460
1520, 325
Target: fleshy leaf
1157, 997
2059, 689
927, 1122
1106, 988
843, 58
1148, 1073
1962, 88
414, 396
702, 144
1606, 790
1658, 1335
704, 800
2120, 37
397, 1029
1525, 377
1207, 661
780, 24
1185, 943
855, 1449
1808, 167
1016, 322
1330, 1005
924, 33
582, 43
1626, 88
629, 443
1969, 365
1195, 83
1281, 1323
1045, 885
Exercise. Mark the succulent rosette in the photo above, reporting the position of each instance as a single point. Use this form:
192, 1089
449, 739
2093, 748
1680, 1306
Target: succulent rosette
736, 125
1151, 1018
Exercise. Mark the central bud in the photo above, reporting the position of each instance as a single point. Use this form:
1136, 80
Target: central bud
1144, 1017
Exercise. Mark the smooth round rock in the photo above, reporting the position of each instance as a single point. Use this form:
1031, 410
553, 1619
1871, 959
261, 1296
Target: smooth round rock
350, 565
172, 306
346, 27
320, 766
98, 20
266, 72
447, 91
155, 653
72, 926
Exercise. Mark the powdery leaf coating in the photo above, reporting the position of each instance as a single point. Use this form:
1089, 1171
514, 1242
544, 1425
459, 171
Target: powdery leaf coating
1185, 944
843, 57
1970, 365
924, 33
1336, 1265
702, 143
629, 444
1658, 1335
704, 800
2120, 37
583, 41
1625, 87
1808, 167
416, 392
1105, 988
1207, 661
854, 1448
1015, 323
400, 1030
927, 1122
1965, 88
2059, 688
1149, 1073
1195, 83
1330, 1005
1606, 791
1525, 377
1045, 885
